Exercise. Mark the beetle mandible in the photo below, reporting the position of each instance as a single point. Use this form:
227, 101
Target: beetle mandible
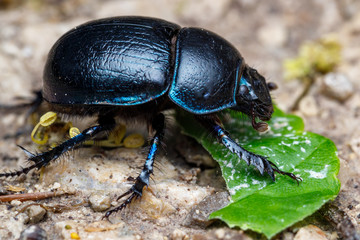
137, 67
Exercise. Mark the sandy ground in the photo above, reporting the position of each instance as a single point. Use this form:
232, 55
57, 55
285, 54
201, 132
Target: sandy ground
265, 33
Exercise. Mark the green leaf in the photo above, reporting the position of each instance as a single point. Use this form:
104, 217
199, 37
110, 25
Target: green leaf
258, 203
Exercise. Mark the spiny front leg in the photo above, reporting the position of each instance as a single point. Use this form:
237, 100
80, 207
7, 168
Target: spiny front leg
43, 159
142, 180
213, 124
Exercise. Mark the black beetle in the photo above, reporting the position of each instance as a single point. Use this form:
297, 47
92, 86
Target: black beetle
137, 67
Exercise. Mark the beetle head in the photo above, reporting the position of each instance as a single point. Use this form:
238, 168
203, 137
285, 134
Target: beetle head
253, 97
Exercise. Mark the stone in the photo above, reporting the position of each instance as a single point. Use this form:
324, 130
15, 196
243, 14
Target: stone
33, 232
337, 86
35, 213
199, 214
310, 232
99, 202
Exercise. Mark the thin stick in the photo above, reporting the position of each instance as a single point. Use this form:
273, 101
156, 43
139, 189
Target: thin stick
32, 196
309, 81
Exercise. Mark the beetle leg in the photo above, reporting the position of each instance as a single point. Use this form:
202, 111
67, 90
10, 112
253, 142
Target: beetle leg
42, 159
213, 123
142, 180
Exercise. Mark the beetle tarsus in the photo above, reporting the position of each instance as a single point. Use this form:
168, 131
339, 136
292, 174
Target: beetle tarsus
213, 123
293, 176
135, 192
123, 205
143, 179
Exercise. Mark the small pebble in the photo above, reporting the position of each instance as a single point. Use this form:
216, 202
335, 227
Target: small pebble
310, 232
33, 232
15, 203
177, 234
35, 213
99, 202
337, 86
56, 185
199, 214
220, 233
287, 236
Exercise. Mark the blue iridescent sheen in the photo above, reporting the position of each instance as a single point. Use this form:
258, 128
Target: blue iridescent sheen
201, 84
244, 81
115, 61
128, 61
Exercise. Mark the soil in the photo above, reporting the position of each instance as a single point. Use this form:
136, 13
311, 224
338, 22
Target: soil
266, 33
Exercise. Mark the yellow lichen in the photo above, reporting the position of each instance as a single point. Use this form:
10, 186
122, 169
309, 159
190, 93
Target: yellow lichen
134, 140
40, 135
319, 57
43, 128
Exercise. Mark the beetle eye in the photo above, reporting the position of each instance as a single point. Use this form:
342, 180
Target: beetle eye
272, 86
244, 90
